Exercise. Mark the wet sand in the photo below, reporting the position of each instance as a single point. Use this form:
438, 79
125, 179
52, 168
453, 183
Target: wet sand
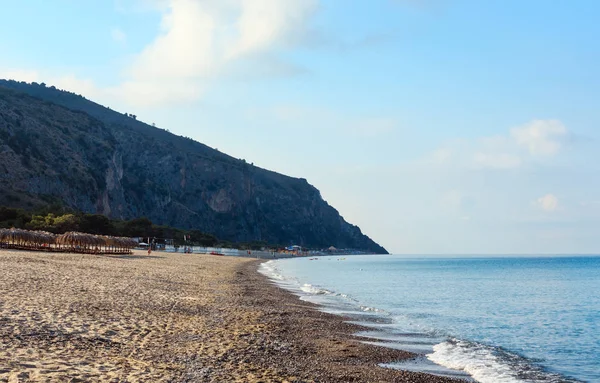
171, 318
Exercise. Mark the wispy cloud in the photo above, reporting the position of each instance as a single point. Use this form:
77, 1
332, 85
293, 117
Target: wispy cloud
537, 140
541, 137
547, 203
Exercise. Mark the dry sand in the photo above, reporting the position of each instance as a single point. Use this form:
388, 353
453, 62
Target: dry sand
170, 318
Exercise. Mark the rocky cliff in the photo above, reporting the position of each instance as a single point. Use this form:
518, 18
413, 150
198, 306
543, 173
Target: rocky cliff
57, 146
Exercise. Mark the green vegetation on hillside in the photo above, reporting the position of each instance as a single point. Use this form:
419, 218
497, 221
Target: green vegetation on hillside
58, 220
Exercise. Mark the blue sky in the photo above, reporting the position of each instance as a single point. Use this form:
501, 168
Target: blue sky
437, 126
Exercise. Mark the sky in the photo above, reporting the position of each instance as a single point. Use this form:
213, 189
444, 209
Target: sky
437, 126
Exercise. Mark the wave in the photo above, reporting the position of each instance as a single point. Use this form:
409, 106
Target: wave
372, 309
488, 364
308, 288
268, 269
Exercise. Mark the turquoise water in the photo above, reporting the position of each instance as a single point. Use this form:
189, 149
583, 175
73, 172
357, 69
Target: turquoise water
497, 319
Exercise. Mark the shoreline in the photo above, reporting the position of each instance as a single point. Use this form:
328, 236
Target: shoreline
324, 345
172, 318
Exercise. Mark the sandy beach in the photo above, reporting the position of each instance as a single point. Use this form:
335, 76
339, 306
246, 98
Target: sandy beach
171, 318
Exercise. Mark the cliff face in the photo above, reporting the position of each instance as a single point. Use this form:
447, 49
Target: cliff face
57, 146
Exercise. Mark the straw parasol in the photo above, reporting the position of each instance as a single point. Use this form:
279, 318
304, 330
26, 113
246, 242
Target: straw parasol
70, 241
79, 241
26, 238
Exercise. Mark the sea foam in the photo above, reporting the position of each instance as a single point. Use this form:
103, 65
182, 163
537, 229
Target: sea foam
490, 364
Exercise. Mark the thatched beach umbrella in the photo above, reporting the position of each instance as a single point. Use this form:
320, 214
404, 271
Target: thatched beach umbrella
123, 244
44, 238
82, 242
18, 237
3, 235
79, 242
71, 241
25, 238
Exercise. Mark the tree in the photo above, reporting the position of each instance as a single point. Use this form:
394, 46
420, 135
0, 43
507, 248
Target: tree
97, 224
203, 239
67, 222
41, 222
138, 227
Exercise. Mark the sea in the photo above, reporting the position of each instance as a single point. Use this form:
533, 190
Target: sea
501, 319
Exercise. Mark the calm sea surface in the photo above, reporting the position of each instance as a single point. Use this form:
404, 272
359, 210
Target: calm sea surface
496, 319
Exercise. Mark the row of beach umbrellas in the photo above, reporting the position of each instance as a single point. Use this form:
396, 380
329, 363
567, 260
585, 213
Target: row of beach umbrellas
71, 241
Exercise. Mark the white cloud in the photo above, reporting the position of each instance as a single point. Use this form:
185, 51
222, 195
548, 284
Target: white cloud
198, 42
264, 23
184, 48
201, 40
548, 203
541, 137
537, 140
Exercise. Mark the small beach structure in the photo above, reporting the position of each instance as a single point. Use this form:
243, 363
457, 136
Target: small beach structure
26, 239
97, 244
75, 242
294, 249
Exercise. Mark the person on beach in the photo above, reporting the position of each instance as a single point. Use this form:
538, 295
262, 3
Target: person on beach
149, 250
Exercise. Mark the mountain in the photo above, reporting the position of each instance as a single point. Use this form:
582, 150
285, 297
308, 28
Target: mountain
56, 146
